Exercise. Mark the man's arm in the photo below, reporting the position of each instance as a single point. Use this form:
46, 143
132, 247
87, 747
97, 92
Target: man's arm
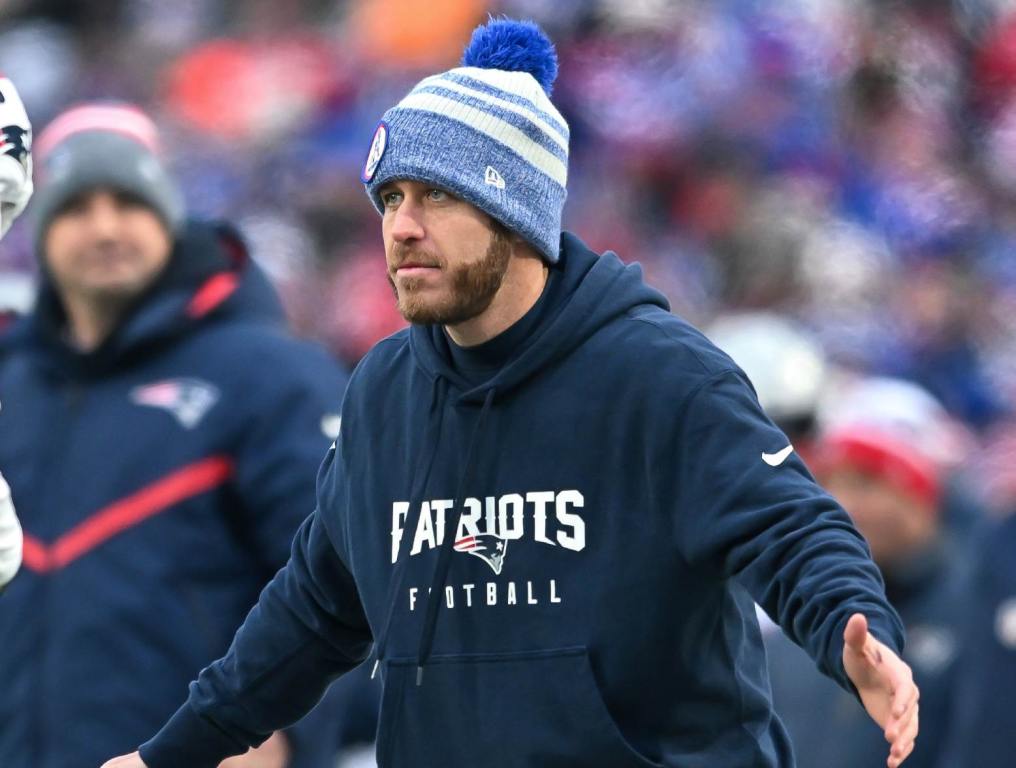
307, 628
284, 437
279, 450
762, 521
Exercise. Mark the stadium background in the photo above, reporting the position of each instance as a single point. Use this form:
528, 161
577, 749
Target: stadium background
849, 165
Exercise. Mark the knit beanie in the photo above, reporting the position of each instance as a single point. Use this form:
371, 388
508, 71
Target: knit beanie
486, 132
102, 145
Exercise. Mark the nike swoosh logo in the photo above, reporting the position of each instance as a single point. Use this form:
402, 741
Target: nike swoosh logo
775, 459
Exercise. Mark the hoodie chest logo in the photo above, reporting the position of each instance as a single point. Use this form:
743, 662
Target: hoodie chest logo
486, 528
488, 525
187, 400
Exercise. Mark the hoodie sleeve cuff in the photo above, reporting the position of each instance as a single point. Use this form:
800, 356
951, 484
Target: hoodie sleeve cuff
191, 740
887, 632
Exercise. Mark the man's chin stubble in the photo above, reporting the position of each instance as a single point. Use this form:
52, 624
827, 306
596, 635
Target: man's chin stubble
420, 312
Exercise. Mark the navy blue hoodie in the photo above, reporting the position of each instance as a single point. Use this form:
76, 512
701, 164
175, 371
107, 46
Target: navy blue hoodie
159, 480
558, 564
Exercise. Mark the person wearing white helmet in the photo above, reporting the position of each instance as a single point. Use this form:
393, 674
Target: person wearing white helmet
786, 366
15, 191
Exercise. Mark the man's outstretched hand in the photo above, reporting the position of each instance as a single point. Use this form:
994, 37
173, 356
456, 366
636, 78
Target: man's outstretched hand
885, 684
274, 753
132, 760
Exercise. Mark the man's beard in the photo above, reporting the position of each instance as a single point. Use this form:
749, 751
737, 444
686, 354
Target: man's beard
473, 287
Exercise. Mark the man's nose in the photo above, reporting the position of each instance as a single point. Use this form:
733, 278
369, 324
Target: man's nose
103, 217
407, 222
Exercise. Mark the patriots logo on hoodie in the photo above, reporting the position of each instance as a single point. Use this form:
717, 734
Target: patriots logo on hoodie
188, 400
486, 546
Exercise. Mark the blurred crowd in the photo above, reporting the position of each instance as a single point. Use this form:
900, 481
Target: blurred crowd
847, 167
850, 164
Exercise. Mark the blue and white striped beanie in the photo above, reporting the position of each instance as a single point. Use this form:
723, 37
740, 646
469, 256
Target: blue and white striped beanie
487, 132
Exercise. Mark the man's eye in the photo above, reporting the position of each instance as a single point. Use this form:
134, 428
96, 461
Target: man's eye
437, 195
390, 198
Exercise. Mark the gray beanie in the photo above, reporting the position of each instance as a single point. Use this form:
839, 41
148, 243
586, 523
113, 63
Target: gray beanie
102, 145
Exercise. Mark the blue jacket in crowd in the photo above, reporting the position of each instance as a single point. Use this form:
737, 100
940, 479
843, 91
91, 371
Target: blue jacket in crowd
984, 729
557, 539
159, 480
827, 727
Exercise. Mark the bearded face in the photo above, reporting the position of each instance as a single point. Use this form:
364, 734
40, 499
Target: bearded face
458, 292
446, 259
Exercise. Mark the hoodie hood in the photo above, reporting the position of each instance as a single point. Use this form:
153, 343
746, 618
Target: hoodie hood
210, 276
595, 290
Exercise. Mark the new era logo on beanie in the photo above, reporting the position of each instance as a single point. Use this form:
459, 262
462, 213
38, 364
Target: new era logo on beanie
472, 129
494, 178
102, 145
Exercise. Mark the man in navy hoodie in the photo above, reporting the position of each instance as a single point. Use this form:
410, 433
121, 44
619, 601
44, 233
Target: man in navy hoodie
552, 504
160, 432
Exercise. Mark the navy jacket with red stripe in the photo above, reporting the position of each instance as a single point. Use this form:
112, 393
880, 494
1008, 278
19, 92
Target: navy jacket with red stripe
159, 482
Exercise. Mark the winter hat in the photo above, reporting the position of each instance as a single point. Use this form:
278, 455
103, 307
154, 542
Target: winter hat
485, 131
895, 430
884, 455
102, 145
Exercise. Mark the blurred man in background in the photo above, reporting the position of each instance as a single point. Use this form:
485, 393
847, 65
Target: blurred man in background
15, 191
787, 368
982, 732
879, 457
161, 432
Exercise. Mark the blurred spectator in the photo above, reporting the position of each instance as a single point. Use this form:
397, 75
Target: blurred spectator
847, 164
161, 434
981, 731
786, 367
899, 407
881, 459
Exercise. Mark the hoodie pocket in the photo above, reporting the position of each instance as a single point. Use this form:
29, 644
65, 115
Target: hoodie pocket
538, 709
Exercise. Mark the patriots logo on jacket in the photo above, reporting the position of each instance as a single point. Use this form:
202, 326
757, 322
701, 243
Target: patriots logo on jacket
188, 400
486, 546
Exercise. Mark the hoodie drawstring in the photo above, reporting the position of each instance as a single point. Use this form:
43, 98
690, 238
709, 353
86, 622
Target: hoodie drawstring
424, 468
447, 546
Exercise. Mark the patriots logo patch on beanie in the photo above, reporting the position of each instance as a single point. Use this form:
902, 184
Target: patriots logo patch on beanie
378, 145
